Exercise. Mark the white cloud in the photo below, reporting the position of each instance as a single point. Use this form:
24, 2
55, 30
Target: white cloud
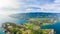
7, 3
8, 7
18, 6
53, 7
8, 12
57, 1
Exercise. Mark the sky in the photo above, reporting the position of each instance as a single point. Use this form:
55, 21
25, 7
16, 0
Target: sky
8, 7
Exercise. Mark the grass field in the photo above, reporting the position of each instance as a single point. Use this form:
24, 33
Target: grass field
32, 26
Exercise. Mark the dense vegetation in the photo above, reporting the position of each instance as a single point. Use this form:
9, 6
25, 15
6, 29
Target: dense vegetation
32, 26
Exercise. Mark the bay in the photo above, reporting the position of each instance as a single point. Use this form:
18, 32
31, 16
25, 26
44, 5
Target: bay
5, 18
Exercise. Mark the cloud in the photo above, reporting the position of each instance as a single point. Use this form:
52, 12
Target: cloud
39, 2
44, 5
57, 1
8, 7
2, 12
7, 3
31, 6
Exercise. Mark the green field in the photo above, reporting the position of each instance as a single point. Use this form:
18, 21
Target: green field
32, 26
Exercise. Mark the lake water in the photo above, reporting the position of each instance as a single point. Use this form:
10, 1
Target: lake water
4, 18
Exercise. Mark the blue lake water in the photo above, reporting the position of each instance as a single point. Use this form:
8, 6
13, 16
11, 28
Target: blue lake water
55, 26
1, 31
4, 19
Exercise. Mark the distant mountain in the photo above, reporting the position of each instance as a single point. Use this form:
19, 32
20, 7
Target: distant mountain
36, 15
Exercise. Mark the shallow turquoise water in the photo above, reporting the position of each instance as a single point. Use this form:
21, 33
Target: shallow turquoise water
1, 31
55, 26
4, 19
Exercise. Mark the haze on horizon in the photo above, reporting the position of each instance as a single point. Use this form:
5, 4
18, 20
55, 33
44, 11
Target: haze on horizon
8, 7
